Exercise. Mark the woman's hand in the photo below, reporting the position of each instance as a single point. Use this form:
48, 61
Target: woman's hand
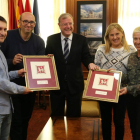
123, 91
111, 69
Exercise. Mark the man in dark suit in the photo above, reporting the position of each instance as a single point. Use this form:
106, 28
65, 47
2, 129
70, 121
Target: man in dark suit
69, 50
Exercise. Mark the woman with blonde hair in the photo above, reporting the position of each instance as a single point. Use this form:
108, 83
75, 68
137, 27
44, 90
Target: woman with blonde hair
132, 78
113, 55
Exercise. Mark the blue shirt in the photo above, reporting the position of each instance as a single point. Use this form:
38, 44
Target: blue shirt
7, 87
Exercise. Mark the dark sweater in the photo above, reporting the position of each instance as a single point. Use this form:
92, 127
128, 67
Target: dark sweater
14, 44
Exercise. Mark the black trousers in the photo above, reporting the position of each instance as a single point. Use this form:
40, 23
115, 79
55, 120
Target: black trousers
57, 99
118, 118
23, 107
133, 107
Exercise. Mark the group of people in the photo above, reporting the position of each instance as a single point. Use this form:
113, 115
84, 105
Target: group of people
69, 50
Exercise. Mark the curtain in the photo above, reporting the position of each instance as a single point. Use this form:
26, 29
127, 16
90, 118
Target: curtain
129, 17
4, 10
49, 13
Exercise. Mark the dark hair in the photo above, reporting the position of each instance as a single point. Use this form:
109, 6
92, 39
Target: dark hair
3, 19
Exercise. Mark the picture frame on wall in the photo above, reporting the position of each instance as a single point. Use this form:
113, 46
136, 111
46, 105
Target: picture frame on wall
91, 30
91, 19
93, 46
91, 11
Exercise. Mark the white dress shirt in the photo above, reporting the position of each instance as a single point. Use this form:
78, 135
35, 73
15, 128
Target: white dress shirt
63, 41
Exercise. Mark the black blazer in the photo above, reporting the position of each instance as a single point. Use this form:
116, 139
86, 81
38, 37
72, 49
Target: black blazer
79, 52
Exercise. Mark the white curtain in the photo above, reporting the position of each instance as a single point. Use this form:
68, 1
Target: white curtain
49, 13
4, 9
129, 17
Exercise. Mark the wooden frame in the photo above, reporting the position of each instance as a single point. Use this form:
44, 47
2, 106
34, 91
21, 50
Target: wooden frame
91, 23
40, 73
91, 19
111, 11
102, 85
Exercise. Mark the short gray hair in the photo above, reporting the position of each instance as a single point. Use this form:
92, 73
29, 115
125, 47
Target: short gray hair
136, 30
64, 16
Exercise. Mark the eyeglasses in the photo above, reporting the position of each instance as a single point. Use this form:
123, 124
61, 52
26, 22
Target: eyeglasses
27, 22
66, 24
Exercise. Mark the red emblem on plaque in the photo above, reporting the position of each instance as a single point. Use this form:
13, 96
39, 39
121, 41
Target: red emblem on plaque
40, 69
103, 81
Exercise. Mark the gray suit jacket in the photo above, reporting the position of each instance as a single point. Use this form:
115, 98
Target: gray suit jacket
7, 87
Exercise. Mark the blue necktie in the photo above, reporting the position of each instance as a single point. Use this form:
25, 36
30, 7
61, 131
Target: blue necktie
66, 49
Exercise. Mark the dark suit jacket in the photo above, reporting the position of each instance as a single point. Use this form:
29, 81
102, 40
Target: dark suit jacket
79, 52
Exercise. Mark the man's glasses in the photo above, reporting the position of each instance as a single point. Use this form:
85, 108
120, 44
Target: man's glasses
27, 22
66, 24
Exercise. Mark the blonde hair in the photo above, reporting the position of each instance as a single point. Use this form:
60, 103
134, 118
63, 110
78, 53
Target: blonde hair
106, 37
136, 30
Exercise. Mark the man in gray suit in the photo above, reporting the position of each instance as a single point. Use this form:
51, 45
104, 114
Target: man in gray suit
7, 87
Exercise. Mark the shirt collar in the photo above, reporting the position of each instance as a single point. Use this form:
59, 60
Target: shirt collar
117, 49
70, 37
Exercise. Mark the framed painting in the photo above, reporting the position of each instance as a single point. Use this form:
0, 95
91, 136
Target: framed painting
91, 19
93, 46
91, 11
91, 30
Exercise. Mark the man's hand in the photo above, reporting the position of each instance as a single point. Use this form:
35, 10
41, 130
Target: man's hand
17, 59
21, 72
27, 90
92, 66
123, 91
50, 55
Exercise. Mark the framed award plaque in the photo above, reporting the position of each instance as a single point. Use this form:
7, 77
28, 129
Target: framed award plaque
102, 85
40, 73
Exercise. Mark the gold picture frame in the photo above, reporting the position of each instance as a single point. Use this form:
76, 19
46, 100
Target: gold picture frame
103, 86
41, 73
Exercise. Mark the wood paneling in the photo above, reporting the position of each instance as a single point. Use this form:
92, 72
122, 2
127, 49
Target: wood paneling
111, 10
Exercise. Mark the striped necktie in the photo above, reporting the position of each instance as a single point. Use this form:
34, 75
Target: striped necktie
66, 49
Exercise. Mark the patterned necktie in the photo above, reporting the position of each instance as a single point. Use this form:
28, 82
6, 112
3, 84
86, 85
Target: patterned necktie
66, 49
